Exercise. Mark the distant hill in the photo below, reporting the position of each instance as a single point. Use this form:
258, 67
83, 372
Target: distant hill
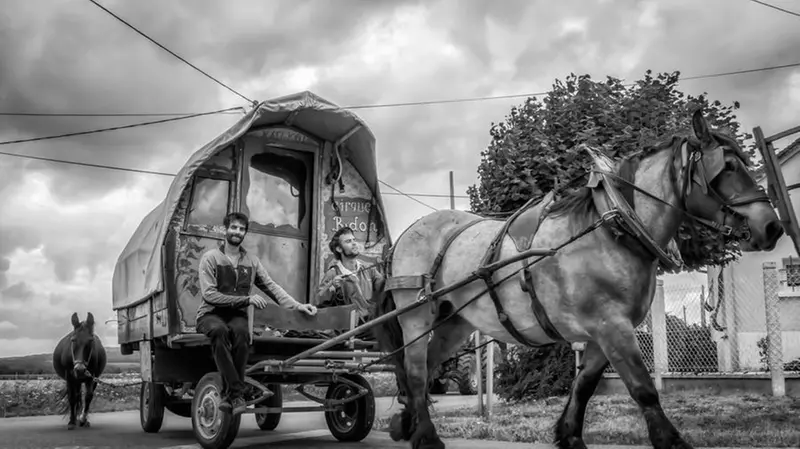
43, 363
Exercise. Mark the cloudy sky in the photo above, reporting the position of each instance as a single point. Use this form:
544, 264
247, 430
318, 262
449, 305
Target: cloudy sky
63, 226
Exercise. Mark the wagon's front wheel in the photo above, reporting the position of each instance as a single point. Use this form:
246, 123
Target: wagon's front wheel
353, 420
213, 428
151, 406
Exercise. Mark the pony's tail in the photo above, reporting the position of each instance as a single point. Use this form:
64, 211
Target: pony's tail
389, 335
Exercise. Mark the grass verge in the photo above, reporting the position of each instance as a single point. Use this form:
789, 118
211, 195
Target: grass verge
704, 420
39, 397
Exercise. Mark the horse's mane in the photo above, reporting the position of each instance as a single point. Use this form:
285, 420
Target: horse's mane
580, 202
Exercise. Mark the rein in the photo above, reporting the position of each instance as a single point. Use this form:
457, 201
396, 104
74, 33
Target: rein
694, 162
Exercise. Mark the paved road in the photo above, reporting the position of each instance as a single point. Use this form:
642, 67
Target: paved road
122, 429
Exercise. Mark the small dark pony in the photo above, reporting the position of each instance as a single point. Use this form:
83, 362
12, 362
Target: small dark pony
80, 359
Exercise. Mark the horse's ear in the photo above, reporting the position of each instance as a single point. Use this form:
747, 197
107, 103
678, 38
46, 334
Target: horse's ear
90, 320
75, 321
700, 126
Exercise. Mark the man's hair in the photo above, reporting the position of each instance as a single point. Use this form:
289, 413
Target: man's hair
334, 243
236, 216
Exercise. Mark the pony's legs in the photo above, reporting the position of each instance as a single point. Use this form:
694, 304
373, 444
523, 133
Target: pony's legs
569, 429
84, 418
618, 342
73, 398
417, 323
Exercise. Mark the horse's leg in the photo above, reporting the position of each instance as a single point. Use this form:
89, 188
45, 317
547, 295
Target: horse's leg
417, 323
569, 428
73, 398
84, 419
447, 337
618, 341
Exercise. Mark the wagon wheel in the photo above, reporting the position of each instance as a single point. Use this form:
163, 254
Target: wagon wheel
151, 406
213, 428
353, 420
439, 386
269, 421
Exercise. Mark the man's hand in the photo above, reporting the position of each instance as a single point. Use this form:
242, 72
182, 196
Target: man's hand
258, 301
337, 281
308, 309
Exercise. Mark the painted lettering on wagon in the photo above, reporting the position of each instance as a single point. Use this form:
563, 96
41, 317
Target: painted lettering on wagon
353, 213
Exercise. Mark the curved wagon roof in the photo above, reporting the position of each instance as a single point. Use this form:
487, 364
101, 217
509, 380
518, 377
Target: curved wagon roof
138, 273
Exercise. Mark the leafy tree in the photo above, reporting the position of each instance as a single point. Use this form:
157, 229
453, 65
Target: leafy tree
535, 149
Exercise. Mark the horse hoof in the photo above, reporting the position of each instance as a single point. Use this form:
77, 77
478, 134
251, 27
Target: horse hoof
71, 426
85, 424
429, 443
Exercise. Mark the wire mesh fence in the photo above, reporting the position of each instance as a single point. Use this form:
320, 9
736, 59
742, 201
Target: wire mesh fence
732, 322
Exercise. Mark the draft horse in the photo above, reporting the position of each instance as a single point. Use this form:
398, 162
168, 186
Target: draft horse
597, 287
80, 359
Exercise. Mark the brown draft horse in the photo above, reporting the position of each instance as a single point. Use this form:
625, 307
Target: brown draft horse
596, 288
80, 359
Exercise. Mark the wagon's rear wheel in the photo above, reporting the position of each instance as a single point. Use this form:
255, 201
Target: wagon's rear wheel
151, 406
353, 420
213, 428
269, 421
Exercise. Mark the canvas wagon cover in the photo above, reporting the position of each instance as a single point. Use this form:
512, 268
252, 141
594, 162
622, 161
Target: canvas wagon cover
138, 273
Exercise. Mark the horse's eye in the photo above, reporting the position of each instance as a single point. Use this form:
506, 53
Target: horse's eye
731, 166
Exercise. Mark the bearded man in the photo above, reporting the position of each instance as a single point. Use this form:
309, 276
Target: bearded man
227, 276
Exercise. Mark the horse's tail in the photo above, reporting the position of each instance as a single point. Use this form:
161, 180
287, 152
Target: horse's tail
389, 335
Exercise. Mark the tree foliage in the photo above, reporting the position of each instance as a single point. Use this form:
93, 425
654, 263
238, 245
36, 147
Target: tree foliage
535, 149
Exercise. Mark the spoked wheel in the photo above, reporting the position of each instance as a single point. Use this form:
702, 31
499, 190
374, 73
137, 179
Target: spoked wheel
269, 421
151, 406
351, 421
213, 428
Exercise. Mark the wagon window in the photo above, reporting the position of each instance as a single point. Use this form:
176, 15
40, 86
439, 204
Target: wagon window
209, 202
277, 195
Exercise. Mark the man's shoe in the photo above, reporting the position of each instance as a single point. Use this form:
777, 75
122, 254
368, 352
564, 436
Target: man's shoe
238, 405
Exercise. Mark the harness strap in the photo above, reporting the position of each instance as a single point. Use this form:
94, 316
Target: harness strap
492, 253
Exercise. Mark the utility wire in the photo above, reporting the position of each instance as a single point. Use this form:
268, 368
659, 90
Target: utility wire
152, 172
115, 128
533, 94
171, 52
777, 7
99, 114
414, 103
409, 196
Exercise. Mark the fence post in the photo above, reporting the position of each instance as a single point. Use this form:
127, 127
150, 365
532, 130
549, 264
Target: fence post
660, 355
775, 343
478, 372
489, 380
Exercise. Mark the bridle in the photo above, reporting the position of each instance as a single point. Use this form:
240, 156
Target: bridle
699, 168
77, 364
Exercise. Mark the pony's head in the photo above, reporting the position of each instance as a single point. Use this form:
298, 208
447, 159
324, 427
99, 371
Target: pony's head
718, 186
82, 344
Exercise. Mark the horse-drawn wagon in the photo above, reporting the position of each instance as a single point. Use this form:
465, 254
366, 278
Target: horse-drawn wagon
585, 268
300, 168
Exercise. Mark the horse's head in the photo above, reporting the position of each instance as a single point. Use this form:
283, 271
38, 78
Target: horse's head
82, 344
719, 188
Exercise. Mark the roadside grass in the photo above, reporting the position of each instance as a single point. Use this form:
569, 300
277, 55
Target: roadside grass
39, 397
705, 420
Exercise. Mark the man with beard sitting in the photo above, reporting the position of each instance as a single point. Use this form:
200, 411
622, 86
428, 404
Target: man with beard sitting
347, 268
227, 275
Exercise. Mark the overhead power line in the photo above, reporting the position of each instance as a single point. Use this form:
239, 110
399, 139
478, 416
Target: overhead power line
777, 7
171, 52
160, 173
411, 103
407, 195
115, 128
102, 114
533, 94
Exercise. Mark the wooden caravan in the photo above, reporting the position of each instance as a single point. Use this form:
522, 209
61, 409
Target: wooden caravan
300, 167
